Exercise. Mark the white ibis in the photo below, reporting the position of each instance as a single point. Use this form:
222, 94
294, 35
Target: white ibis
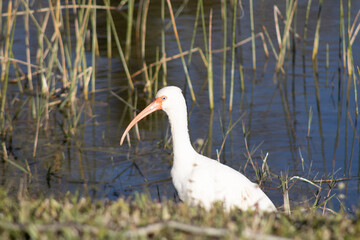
200, 180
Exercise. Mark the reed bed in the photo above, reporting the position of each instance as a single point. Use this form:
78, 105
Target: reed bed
61, 78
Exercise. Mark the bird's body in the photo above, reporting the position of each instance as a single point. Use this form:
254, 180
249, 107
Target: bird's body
200, 180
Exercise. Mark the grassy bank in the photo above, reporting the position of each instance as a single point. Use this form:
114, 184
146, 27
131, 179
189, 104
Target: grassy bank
72, 217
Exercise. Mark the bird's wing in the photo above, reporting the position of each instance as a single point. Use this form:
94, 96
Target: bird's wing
217, 182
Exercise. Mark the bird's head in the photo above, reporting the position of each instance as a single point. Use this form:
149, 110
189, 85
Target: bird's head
167, 99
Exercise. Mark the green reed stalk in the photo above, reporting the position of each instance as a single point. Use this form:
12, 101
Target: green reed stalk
224, 11
117, 41
138, 21
252, 35
342, 33
355, 92
67, 27
9, 37
163, 51
308, 7
108, 36
204, 28
5, 71
1, 30
81, 35
27, 45
210, 68
94, 48
181, 52
349, 47
194, 32
130, 16
316, 38
233, 56
155, 78
210, 133
143, 39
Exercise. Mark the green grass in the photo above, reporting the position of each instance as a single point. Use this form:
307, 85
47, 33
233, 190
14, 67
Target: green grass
72, 217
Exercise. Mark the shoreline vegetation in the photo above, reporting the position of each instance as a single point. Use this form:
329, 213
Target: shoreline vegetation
49, 86
74, 217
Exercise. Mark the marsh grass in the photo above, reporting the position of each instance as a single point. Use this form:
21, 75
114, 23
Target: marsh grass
61, 77
73, 217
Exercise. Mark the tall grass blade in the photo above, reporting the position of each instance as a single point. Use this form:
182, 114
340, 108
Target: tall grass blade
317, 36
129, 27
342, 34
210, 68
242, 82
233, 56
117, 41
308, 7
94, 48
281, 59
143, 40
180, 50
163, 51
224, 17
204, 28
194, 32
27, 45
253, 47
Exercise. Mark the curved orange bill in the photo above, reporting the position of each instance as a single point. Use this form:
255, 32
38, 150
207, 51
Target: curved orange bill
152, 107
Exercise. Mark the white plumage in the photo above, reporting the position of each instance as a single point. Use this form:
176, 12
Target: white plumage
200, 180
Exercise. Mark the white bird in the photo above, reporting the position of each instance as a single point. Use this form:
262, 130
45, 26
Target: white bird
200, 180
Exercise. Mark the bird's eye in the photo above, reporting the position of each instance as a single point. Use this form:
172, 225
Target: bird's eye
163, 98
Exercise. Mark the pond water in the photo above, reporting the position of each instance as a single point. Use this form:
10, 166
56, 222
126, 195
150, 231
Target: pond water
274, 110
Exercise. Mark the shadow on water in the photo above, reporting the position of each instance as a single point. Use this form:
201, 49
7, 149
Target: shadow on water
271, 118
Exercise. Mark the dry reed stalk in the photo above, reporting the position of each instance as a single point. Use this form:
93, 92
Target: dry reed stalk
242, 42
317, 36
143, 37
172, 58
57, 25
277, 28
177, 13
242, 82
281, 59
353, 34
64, 7
180, 50
285, 187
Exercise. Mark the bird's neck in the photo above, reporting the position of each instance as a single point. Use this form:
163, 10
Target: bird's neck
182, 147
